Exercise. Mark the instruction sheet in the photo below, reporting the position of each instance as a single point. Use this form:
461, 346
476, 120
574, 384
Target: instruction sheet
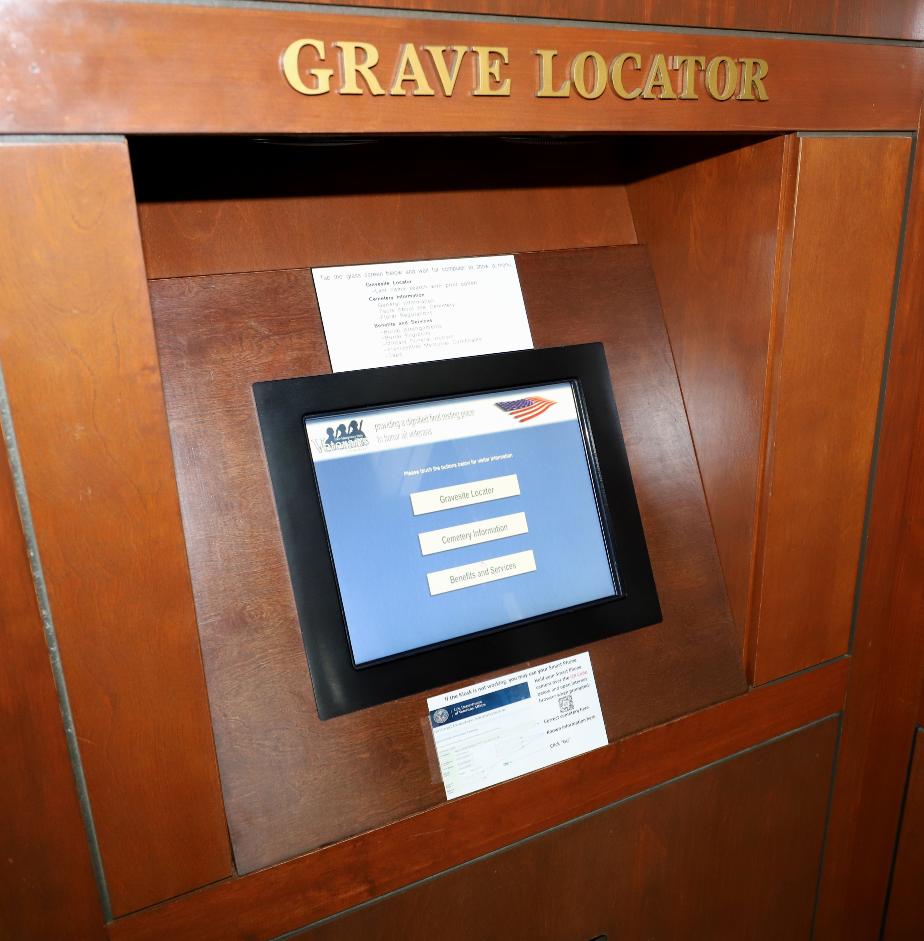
412, 312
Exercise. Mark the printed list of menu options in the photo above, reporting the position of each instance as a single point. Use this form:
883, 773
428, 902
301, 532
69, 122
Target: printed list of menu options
412, 312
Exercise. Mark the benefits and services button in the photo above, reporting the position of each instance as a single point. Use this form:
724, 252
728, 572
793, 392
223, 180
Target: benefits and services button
478, 491
479, 573
471, 534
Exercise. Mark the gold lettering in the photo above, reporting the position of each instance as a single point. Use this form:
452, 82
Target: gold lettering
290, 69
352, 67
616, 75
447, 76
753, 72
545, 76
588, 73
488, 69
410, 69
730, 78
658, 77
579, 74
689, 65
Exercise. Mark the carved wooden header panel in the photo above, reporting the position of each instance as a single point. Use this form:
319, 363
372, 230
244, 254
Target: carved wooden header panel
234, 70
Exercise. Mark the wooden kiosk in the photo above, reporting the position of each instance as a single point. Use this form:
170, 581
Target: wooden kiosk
730, 201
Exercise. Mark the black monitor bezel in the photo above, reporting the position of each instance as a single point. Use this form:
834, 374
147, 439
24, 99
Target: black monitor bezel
341, 687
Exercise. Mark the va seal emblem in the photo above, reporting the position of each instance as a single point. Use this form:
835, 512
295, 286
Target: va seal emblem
440, 716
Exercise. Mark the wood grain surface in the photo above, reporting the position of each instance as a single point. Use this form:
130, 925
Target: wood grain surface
265, 904
162, 68
710, 214
77, 348
834, 317
217, 335
76, 328
888, 658
677, 862
211, 206
905, 912
896, 19
47, 888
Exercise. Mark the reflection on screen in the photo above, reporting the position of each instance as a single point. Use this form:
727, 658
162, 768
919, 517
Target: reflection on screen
455, 516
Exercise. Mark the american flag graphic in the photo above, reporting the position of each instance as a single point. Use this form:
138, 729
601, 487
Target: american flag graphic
525, 409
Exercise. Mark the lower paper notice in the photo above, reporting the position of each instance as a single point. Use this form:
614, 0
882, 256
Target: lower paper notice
508, 726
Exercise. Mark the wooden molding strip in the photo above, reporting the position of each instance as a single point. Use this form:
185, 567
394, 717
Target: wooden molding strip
42, 812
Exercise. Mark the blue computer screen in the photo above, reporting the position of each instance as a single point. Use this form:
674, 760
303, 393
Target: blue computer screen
455, 516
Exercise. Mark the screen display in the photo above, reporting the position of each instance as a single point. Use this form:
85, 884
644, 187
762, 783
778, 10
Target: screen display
458, 515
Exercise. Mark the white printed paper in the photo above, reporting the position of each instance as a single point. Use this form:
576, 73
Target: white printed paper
412, 312
502, 728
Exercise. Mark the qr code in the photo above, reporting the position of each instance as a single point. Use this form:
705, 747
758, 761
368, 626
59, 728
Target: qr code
565, 703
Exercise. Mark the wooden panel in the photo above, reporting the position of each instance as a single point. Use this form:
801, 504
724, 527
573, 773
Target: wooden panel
905, 913
217, 335
729, 853
885, 681
834, 318
710, 218
215, 207
144, 68
39, 897
282, 898
78, 352
897, 19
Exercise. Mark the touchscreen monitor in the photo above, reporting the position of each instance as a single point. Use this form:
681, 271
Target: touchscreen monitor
446, 519
458, 515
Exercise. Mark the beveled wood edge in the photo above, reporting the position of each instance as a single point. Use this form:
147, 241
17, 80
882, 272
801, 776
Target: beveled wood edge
786, 218
304, 890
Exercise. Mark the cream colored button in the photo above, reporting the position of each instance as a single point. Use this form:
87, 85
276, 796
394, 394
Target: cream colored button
471, 534
479, 573
478, 491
